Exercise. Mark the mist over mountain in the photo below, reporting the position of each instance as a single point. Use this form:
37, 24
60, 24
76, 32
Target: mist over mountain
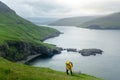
111, 21
42, 20
73, 21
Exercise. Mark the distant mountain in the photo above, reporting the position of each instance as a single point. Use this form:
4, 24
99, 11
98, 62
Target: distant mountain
73, 21
42, 20
111, 21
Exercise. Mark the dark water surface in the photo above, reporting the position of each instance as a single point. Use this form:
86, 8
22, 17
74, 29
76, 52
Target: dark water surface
106, 66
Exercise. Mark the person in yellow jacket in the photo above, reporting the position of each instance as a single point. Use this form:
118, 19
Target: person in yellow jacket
69, 66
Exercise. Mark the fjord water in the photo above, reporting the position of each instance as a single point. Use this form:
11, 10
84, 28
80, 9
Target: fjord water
105, 66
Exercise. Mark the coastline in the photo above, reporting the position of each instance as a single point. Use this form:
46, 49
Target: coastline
29, 58
50, 36
32, 57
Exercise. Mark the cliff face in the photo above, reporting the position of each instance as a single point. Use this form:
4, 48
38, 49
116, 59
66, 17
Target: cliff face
19, 50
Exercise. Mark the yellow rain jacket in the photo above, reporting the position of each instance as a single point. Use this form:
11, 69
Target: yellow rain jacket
68, 65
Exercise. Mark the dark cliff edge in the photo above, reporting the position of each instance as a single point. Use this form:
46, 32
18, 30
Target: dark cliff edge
20, 51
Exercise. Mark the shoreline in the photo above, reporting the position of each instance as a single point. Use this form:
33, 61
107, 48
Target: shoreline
29, 58
50, 36
33, 57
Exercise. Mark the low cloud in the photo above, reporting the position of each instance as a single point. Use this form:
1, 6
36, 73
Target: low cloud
62, 8
104, 7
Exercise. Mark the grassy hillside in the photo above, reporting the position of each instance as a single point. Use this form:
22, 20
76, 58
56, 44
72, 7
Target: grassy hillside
73, 21
20, 38
13, 71
111, 21
13, 27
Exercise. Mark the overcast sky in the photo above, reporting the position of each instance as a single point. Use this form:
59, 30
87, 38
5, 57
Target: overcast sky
62, 8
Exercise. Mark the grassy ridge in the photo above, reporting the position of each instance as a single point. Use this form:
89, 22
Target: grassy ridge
13, 71
13, 27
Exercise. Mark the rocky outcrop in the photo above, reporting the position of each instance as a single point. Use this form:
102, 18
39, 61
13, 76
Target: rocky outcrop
88, 52
71, 50
84, 52
19, 50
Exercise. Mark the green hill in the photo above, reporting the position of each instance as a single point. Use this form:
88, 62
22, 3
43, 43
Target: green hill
20, 38
13, 27
13, 71
73, 21
111, 21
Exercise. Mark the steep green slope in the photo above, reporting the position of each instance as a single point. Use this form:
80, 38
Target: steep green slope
111, 21
73, 21
20, 38
13, 71
16, 28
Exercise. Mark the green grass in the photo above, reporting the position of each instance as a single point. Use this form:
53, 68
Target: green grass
15, 71
13, 27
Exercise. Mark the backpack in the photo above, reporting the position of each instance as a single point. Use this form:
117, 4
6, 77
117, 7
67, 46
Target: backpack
71, 64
